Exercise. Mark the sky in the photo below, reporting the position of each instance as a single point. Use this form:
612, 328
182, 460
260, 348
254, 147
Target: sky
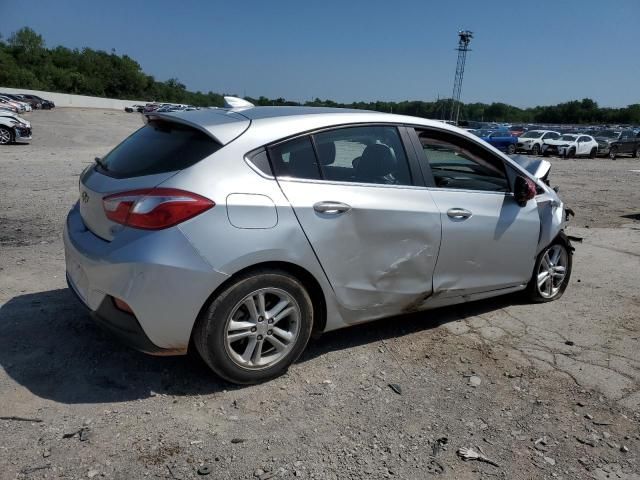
524, 53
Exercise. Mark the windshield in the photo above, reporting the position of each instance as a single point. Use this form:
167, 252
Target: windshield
607, 134
569, 138
533, 134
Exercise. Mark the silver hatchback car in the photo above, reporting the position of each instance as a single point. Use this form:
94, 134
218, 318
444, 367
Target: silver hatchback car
240, 231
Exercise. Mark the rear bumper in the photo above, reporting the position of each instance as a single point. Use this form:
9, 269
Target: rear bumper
159, 274
124, 326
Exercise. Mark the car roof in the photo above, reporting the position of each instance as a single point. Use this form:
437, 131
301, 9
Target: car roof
225, 124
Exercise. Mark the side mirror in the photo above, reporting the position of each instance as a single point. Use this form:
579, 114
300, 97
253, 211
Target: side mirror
524, 190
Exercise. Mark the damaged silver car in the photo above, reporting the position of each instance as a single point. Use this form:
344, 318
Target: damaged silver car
239, 231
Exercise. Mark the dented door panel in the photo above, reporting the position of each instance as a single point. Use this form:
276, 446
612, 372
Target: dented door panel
379, 254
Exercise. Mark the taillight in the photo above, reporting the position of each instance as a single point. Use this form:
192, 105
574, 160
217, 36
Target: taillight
154, 208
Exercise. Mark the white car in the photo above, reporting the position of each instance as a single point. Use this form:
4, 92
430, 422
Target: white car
14, 129
571, 145
532, 140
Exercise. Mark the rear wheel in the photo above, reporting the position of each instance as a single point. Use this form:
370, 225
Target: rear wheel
551, 273
636, 152
511, 149
613, 153
256, 327
536, 149
593, 152
6, 136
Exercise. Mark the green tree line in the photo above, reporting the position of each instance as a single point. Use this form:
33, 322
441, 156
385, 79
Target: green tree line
26, 62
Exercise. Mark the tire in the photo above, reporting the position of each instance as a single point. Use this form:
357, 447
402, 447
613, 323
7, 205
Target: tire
593, 153
545, 154
6, 136
251, 351
511, 149
535, 150
540, 291
613, 153
635, 153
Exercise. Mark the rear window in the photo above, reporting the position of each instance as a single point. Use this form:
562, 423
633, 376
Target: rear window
158, 147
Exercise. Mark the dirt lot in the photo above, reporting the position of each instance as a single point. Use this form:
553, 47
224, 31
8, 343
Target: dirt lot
545, 391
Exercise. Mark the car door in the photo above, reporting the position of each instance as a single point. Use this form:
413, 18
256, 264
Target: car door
584, 145
626, 141
370, 220
488, 241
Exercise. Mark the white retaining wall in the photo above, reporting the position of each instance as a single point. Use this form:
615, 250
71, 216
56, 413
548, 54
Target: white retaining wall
68, 100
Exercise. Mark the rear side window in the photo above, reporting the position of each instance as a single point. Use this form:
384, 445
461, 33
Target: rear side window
295, 158
158, 147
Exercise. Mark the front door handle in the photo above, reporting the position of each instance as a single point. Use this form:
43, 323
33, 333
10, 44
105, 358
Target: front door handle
331, 208
459, 213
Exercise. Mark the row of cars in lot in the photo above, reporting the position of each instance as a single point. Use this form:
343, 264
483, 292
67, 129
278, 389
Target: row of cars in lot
578, 142
160, 108
13, 127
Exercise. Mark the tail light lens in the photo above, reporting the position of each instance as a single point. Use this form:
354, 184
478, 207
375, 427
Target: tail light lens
154, 208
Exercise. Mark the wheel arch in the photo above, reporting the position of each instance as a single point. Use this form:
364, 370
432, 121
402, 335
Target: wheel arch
302, 274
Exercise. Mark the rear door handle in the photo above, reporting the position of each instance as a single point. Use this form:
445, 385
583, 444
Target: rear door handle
459, 213
331, 208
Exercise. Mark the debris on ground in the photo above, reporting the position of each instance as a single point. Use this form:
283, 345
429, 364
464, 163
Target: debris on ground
21, 419
396, 388
470, 454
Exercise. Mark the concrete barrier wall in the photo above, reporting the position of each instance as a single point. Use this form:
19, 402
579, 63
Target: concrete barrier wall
68, 100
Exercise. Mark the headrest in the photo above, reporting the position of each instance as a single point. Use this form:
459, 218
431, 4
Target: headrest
376, 162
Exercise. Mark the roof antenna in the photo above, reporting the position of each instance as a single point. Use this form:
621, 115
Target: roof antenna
235, 102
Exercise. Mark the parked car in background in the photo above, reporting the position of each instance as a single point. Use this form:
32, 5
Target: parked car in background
19, 106
532, 140
517, 130
18, 98
14, 129
242, 231
134, 108
502, 139
615, 142
571, 145
45, 104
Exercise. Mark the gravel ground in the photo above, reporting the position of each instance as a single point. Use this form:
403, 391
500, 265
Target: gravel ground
545, 391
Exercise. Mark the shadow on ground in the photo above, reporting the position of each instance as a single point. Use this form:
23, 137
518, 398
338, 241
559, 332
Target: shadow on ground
49, 345
632, 216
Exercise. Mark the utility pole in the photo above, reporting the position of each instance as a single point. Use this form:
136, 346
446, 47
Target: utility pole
464, 39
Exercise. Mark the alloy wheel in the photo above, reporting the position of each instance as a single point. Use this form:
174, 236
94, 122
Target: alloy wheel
552, 271
262, 329
5, 136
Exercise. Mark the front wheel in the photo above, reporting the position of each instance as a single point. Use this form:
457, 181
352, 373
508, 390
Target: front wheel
636, 152
551, 273
256, 327
536, 150
613, 153
5, 136
511, 149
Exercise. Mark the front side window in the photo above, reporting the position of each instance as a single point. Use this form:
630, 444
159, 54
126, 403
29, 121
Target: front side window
368, 154
458, 163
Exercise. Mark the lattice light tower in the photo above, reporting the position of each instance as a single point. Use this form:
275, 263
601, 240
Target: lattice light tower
464, 39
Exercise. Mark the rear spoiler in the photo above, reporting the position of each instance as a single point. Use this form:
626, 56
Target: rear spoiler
222, 125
